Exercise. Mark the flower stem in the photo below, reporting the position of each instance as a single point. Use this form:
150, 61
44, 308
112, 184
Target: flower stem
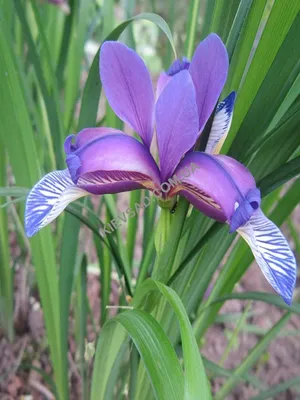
163, 230
167, 239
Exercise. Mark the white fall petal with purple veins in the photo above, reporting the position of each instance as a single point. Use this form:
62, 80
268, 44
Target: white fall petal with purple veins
272, 253
48, 198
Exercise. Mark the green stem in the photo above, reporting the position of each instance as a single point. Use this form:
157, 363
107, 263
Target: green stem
165, 259
163, 230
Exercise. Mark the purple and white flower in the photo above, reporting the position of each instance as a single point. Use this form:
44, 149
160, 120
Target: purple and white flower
105, 160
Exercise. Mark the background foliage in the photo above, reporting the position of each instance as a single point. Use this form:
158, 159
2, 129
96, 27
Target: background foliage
50, 87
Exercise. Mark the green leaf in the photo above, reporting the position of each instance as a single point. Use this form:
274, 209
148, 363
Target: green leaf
22, 154
223, 15
269, 298
280, 176
277, 389
156, 351
50, 94
82, 12
135, 198
220, 371
195, 378
107, 359
276, 84
243, 46
6, 276
13, 191
213, 230
280, 21
81, 329
236, 28
192, 27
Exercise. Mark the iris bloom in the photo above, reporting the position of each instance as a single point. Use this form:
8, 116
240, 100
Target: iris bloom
105, 160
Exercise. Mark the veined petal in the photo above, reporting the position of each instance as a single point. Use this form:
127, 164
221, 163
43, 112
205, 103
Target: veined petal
209, 67
48, 198
176, 121
221, 125
218, 186
73, 142
113, 160
272, 253
128, 87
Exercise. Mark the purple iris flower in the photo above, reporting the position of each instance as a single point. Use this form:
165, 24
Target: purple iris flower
105, 160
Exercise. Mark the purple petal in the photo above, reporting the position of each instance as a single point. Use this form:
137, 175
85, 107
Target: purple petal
48, 198
165, 77
178, 65
272, 253
245, 209
113, 160
239, 173
241, 215
73, 142
114, 181
176, 121
213, 188
209, 67
128, 88
162, 82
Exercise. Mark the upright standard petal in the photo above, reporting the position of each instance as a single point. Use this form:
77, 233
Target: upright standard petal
162, 82
176, 122
209, 67
113, 163
165, 77
221, 125
178, 66
218, 186
272, 253
48, 198
128, 88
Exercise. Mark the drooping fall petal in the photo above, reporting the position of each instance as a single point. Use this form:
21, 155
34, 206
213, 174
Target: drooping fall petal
272, 253
113, 163
128, 87
209, 67
85, 136
218, 186
109, 163
176, 121
48, 198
